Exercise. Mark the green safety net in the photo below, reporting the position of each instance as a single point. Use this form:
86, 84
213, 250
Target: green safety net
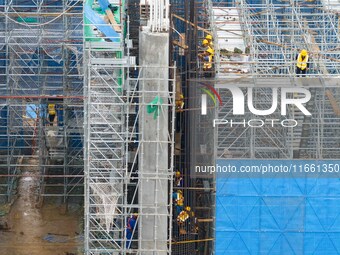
154, 107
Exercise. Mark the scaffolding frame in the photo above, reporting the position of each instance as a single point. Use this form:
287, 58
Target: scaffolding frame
114, 148
115, 108
190, 24
41, 63
274, 33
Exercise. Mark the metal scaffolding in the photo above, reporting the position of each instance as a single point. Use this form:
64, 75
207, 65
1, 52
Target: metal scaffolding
40, 64
270, 35
119, 109
194, 141
75, 55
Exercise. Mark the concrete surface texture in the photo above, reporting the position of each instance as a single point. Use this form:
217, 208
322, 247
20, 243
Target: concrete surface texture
153, 163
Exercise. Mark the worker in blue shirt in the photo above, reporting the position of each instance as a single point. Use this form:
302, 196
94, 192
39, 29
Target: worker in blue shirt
130, 229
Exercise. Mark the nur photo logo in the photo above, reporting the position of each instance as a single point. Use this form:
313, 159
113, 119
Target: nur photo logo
289, 97
211, 91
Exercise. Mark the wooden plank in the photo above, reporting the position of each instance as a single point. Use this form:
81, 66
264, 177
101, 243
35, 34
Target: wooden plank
112, 20
205, 220
188, 22
194, 241
179, 44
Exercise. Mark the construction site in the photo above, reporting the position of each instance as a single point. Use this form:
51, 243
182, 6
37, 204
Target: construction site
116, 114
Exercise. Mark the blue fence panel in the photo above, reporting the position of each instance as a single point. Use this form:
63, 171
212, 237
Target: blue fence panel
277, 215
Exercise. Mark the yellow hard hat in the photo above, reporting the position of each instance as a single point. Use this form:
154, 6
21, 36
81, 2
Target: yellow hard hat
210, 50
180, 191
205, 42
135, 215
178, 173
208, 37
303, 53
187, 208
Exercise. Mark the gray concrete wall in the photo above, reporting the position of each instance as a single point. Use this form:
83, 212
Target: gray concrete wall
154, 156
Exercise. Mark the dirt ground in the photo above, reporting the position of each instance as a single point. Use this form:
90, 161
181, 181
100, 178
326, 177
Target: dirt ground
48, 230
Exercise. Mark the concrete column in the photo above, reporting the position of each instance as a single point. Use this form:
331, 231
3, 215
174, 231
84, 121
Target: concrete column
154, 154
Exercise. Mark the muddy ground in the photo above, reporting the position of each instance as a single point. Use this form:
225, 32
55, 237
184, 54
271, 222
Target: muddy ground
29, 229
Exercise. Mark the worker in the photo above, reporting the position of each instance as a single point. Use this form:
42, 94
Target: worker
207, 58
207, 55
51, 113
182, 218
180, 103
302, 63
205, 43
205, 47
178, 179
178, 199
130, 229
209, 38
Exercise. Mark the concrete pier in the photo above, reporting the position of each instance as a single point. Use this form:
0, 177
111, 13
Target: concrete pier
154, 155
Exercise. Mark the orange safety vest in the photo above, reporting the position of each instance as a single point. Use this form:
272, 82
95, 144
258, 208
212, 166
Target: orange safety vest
302, 64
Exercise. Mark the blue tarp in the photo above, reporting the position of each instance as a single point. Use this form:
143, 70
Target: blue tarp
98, 22
31, 111
277, 216
103, 4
